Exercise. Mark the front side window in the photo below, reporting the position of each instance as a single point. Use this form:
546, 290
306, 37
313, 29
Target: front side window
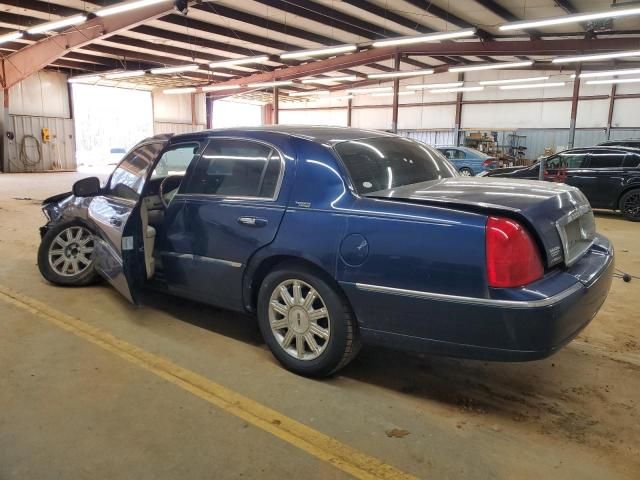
176, 159
377, 164
129, 176
236, 168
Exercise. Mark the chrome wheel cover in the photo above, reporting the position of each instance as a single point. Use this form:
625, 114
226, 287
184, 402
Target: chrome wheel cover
632, 205
71, 251
299, 319
465, 172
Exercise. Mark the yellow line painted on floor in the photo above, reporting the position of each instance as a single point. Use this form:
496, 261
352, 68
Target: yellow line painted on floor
319, 445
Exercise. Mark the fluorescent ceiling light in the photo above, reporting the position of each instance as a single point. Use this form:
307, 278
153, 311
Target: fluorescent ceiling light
598, 56
609, 73
579, 17
513, 80
125, 7
491, 66
49, 26
217, 88
345, 78
613, 80
84, 79
239, 61
309, 93
456, 90
342, 97
369, 90
430, 37
178, 91
532, 85
168, 70
319, 51
125, 74
9, 37
390, 94
434, 85
414, 73
270, 84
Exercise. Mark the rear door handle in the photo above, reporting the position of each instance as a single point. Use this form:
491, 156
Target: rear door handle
252, 221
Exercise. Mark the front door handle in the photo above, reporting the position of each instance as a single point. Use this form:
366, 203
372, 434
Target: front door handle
252, 221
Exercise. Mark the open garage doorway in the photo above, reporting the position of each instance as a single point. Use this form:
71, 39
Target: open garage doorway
108, 122
234, 113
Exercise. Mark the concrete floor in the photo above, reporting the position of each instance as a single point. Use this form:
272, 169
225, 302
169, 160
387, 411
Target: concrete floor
71, 409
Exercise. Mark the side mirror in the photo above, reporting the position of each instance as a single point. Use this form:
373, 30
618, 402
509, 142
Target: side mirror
86, 187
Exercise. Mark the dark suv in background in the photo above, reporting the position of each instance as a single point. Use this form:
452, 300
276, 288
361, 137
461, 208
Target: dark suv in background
609, 176
630, 142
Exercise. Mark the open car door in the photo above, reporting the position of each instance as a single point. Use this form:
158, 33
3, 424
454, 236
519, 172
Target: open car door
115, 215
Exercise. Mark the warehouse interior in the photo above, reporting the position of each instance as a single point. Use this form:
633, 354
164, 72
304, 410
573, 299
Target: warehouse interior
92, 385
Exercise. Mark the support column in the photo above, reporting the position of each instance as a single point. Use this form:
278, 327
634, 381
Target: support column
574, 107
458, 115
4, 128
193, 109
396, 88
276, 105
349, 110
209, 111
612, 101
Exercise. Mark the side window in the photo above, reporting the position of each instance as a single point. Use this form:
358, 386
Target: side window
605, 159
553, 162
459, 154
236, 168
129, 176
176, 159
631, 160
569, 160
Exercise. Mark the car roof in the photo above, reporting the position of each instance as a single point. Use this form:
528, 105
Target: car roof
605, 147
320, 134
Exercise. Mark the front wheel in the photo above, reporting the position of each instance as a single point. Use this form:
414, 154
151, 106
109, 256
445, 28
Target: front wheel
466, 172
630, 205
305, 322
65, 256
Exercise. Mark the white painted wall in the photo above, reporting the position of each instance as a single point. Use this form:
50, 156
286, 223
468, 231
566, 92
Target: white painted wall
176, 109
498, 116
43, 94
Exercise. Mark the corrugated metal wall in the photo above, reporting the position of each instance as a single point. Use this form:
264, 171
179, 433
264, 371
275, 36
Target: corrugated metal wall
624, 133
58, 154
431, 137
170, 127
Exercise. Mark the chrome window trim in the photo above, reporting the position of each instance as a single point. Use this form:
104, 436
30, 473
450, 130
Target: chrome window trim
199, 258
276, 192
563, 222
545, 302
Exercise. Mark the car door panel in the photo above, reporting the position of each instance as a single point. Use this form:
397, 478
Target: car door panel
116, 220
210, 237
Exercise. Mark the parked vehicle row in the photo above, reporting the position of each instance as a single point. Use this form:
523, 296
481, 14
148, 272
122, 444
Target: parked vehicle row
333, 237
609, 176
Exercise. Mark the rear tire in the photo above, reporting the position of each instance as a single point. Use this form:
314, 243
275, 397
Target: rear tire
65, 255
466, 172
630, 205
306, 322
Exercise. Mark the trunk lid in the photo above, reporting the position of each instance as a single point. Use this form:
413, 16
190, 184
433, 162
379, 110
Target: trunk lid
559, 215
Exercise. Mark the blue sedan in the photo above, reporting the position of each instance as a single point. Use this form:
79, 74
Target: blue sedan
468, 161
336, 237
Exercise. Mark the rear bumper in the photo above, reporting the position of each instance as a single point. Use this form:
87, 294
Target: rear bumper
488, 329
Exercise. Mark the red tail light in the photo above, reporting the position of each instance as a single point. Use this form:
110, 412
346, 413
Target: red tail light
489, 162
513, 259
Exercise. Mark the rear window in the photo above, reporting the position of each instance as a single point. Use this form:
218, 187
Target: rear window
377, 164
631, 161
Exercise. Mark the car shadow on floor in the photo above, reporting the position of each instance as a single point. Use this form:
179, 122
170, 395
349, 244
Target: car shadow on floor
472, 386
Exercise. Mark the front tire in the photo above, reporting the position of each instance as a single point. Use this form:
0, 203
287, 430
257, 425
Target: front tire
65, 255
306, 322
630, 205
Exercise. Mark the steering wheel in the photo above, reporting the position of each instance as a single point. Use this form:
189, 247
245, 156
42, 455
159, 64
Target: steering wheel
167, 188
